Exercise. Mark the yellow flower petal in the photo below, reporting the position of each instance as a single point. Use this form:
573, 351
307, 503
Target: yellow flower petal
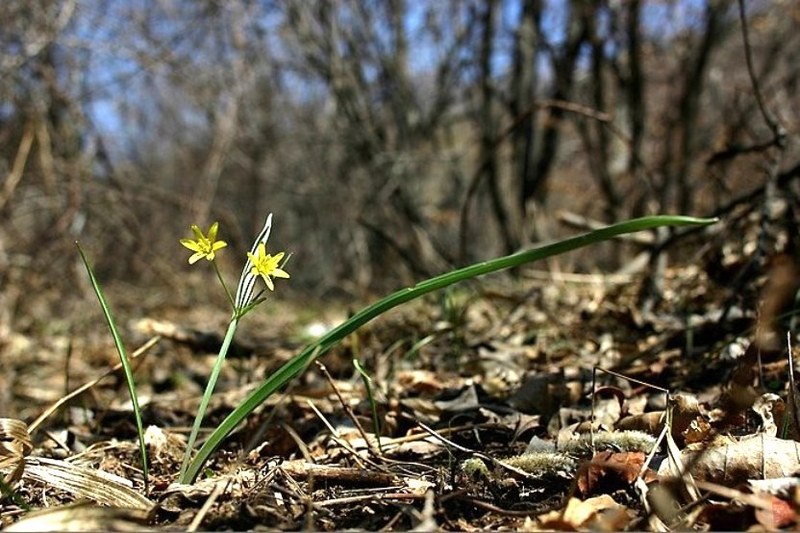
190, 244
266, 265
203, 246
280, 273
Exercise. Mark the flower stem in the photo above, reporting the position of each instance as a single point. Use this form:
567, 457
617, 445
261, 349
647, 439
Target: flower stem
212, 382
224, 285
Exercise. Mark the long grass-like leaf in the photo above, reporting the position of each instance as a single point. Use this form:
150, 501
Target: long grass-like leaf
376, 423
296, 365
126, 364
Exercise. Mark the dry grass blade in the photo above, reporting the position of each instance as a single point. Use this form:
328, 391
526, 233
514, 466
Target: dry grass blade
96, 485
15, 445
83, 517
212, 498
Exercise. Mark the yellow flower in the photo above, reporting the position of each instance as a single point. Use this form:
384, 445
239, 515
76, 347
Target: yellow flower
204, 246
266, 265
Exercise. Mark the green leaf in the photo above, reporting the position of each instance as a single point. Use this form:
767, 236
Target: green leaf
126, 364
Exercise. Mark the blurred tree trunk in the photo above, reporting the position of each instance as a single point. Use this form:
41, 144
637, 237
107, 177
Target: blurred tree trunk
595, 132
632, 84
487, 125
682, 127
681, 148
525, 77
563, 65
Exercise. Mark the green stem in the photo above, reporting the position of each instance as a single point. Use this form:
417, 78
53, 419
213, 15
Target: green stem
201, 411
224, 285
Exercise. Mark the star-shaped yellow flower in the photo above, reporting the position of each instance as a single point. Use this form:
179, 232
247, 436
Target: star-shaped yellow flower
204, 246
266, 265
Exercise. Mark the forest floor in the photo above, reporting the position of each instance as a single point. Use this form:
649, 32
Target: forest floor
482, 396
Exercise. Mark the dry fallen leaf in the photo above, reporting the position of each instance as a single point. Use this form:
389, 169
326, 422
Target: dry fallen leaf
732, 462
419, 382
598, 513
83, 517
608, 468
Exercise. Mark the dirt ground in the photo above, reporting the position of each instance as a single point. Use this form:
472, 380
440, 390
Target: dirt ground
483, 402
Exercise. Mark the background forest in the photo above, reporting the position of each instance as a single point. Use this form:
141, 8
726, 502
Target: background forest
392, 139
